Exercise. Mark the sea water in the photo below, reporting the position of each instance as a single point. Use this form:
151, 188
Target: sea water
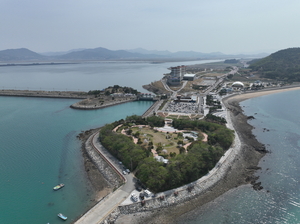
86, 76
277, 125
39, 150
38, 144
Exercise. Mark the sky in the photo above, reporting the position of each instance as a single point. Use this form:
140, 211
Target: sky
227, 26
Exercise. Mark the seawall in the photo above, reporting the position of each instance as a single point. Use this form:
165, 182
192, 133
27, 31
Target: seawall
93, 106
46, 94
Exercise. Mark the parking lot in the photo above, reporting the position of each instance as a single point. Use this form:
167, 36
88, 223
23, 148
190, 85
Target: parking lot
182, 107
131, 199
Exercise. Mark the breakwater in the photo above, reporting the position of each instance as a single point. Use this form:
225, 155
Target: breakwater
89, 104
47, 94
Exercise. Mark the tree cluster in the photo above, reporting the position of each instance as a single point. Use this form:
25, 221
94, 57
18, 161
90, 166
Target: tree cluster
153, 121
215, 119
218, 135
182, 168
283, 65
122, 147
113, 89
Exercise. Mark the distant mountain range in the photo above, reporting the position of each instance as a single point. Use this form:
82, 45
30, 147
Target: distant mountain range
100, 53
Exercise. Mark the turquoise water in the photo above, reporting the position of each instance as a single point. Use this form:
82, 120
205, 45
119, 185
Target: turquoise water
38, 145
39, 149
279, 201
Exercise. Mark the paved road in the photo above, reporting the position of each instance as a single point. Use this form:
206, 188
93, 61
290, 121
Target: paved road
110, 202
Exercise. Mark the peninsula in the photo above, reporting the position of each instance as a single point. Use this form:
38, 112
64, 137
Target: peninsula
239, 163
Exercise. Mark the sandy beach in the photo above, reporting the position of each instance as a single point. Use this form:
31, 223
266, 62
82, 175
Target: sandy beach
241, 172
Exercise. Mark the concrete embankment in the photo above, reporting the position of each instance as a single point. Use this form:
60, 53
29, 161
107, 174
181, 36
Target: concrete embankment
110, 168
109, 172
152, 109
46, 94
85, 105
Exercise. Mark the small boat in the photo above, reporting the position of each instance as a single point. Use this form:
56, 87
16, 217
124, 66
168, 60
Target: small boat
59, 186
63, 217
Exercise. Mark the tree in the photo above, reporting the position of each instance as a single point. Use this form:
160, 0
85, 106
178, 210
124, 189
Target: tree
179, 142
181, 150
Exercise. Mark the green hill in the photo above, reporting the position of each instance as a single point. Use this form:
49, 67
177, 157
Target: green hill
282, 65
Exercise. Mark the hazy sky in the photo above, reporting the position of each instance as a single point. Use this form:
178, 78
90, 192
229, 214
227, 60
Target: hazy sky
227, 26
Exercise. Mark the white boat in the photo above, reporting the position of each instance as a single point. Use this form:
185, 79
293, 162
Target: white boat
59, 186
63, 217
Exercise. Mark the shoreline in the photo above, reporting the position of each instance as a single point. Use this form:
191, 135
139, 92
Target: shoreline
241, 172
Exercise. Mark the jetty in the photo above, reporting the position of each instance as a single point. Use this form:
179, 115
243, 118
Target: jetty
42, 93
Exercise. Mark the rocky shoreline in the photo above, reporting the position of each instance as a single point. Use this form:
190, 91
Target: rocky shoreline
240, 172
92, 104
101, 176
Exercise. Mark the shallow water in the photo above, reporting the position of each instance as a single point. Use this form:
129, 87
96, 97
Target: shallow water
39, 149
277, 125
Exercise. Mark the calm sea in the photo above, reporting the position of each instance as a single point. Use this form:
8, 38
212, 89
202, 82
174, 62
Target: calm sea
39, 149
279, 201
86, 76
38, 145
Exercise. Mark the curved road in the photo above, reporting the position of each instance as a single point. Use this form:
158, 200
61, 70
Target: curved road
114, 199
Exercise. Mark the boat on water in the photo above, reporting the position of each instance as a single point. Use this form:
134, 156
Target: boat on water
59, 186
63, 217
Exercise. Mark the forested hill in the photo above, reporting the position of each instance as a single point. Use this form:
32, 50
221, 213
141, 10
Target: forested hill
281, 65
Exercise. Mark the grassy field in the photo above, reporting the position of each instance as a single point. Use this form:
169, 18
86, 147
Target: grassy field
167, 140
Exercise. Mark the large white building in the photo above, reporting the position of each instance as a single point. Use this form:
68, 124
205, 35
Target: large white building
238, 84
178, 71
176, 74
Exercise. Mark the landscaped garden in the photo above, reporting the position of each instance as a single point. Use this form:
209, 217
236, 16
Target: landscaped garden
135, 138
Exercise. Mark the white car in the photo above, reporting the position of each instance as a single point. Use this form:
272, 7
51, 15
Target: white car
134, 197
147, 193
124, 172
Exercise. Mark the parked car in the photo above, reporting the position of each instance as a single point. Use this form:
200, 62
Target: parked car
142, 195
134, 197
127, 170
147, 193
124, 172
138, 188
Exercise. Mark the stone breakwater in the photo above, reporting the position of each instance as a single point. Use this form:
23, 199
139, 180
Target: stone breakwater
184, 193
46, 94
92, 104
105, 168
